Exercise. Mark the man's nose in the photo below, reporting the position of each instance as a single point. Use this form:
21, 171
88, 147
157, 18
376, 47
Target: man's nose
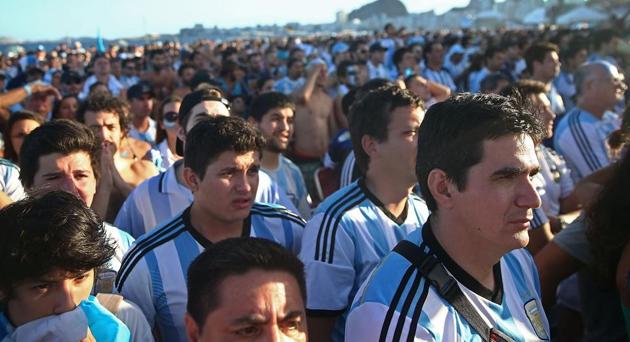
64, 300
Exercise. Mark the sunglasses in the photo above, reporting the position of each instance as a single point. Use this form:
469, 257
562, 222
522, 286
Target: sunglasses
171, 116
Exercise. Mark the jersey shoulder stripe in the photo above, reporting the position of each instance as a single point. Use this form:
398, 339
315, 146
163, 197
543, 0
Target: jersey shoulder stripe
581, 140
268, 210
146, 244
335, 207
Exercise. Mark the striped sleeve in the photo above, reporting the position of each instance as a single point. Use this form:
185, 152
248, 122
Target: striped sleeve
138, 288
581, 146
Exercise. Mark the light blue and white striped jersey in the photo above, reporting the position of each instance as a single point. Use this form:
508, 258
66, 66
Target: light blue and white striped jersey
10, 180
581, 138
441, 76
290, 180
396, 303
347, 237
161, 197
286, 85
154, 271
348, 171
122, 240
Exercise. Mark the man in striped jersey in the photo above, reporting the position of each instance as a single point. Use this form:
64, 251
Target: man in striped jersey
221, 162
64, 155
162, 197
356, 226
435, 71
476, 160
581, 136
272, 113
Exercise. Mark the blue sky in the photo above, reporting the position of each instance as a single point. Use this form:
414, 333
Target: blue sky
53, 19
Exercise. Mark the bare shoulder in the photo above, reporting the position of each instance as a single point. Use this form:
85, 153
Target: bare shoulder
140, 171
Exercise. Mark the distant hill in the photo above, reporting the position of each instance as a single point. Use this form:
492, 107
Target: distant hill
390, 8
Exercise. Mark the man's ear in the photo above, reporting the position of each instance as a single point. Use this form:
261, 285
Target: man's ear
181, 134
369, 145
192, 329
441, 188
191, 179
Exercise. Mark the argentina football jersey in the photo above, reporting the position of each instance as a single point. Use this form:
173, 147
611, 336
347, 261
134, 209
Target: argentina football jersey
396, 303
349, 234
153, 272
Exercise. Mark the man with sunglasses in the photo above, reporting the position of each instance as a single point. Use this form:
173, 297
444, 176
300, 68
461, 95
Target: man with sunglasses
71, 83
162, 197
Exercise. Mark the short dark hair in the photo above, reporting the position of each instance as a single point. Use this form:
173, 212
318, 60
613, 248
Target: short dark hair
371, 114
53, 231
59, 136
215, 135
537, 53
235, 256
399, 54
58, 103
524, 88
452, 134
268, 101
104, 103
491, 51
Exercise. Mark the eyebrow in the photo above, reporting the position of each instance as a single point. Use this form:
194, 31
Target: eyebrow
514, 171
260, 319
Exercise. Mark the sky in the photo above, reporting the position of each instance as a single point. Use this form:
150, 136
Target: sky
54, 19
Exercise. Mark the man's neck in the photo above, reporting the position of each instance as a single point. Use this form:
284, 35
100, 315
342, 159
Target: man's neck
103, 78
212, 229
597, 111
541, 78
478, 262
434, 66
140, 122
392, 195
270, 160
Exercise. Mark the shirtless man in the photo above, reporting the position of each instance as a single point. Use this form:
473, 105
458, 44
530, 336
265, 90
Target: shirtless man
314, 122
161, 75
122, 163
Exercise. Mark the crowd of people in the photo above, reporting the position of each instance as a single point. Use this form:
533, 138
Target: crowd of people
402, 185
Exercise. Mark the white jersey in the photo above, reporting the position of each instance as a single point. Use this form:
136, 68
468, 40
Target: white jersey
122, 242
148, 136
10, 180
348, 173
290, 180
347, 237
582, 139
161, 197
441, 76
398, 304
154, 271
554, 180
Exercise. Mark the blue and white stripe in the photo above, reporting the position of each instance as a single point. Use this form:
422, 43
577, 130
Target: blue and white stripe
343, 242
396, 303
441, 76
10, 180
153, 272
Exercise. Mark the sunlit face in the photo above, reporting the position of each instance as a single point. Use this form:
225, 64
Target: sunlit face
40, 104
106, 125
169, 122
228, 188
496, 204
72, 173
142, 106
276, 127
551, 65
19, 131
398, 152
267, 307
102, 66
52, 294
68, 108
542, 106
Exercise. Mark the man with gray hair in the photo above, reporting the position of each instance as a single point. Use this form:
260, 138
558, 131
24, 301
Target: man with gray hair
582, 134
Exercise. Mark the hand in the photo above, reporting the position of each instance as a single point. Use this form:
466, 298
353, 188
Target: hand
41, 87
315, 69
107, 165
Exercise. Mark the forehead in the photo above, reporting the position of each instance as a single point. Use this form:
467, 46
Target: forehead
403, 116
92, 117
60, 158
232, 159
284, 112
259, 291
516, 151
